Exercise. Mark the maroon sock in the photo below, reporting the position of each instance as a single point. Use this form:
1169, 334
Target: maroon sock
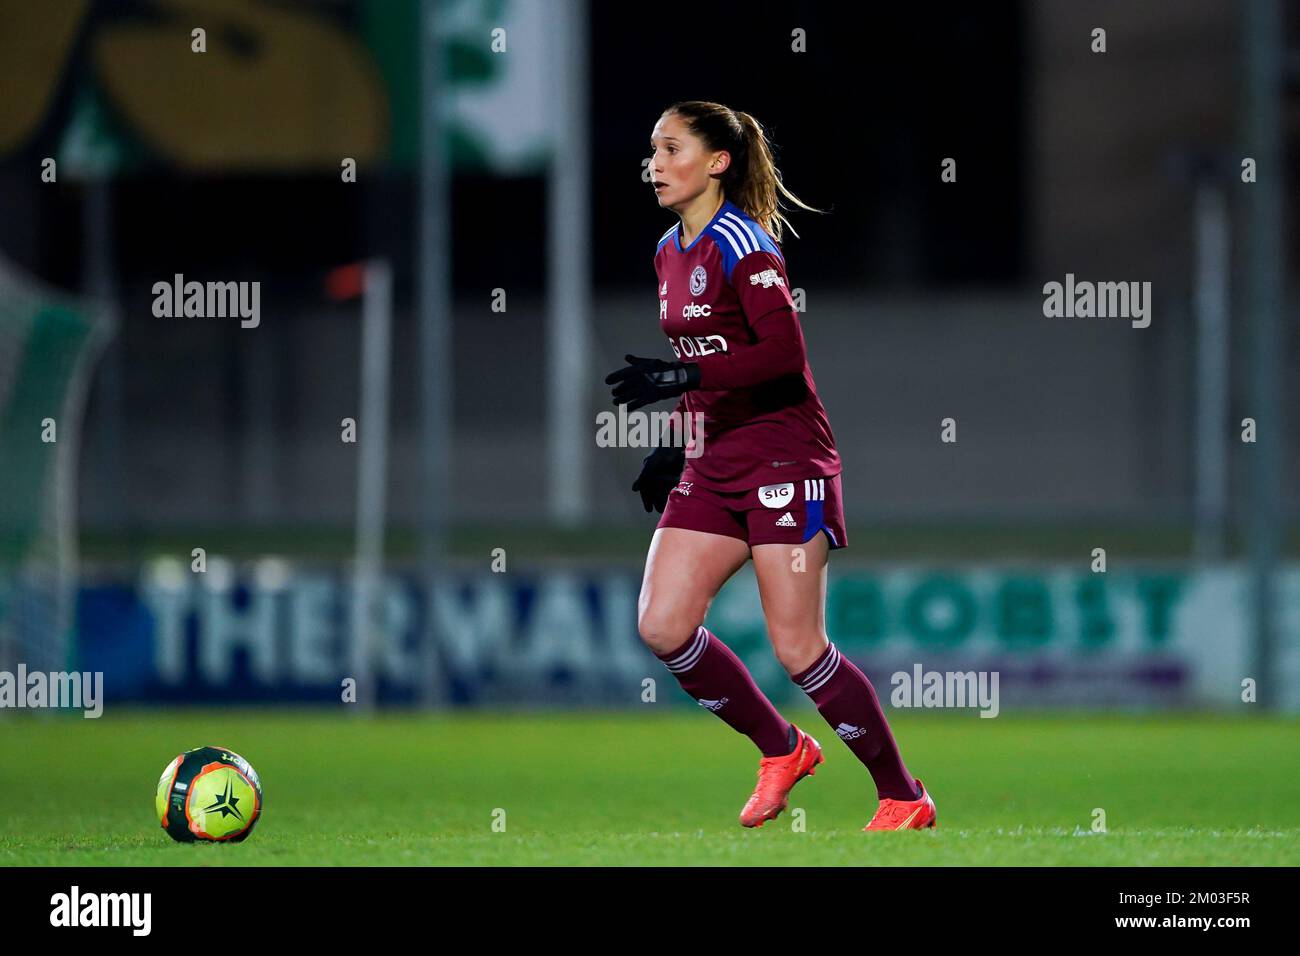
708, 671
847, 700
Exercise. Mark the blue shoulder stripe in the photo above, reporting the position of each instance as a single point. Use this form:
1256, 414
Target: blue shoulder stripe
736, 235
666, 237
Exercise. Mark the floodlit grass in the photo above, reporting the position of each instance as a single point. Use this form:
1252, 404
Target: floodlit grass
652, 789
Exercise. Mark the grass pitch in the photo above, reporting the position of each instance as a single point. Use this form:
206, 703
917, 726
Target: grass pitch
652, 789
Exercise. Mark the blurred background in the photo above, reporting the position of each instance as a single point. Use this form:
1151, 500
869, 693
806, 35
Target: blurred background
393, 474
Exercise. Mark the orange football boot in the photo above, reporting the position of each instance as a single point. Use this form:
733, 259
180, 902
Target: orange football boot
777, 776
905, 814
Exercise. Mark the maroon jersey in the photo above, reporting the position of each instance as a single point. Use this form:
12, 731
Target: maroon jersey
724, 303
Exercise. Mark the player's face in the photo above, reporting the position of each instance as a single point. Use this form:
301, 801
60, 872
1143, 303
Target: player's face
679, 165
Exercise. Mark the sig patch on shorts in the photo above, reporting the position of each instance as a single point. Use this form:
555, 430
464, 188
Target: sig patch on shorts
790, 512
794, 511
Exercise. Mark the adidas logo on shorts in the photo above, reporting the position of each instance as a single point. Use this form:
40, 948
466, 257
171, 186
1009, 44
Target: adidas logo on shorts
785, 521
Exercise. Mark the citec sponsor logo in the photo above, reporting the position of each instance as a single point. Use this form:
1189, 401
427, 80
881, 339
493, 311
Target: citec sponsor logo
74, 908
57, 689
693, 310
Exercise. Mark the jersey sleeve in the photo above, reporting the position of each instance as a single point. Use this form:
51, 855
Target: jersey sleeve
778, 348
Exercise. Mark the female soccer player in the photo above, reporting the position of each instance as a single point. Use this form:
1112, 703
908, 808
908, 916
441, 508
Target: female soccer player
767, 478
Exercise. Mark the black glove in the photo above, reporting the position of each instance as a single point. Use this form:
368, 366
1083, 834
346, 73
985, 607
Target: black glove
659, 475
647, 380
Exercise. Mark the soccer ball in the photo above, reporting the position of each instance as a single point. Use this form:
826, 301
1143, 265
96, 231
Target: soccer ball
209, 794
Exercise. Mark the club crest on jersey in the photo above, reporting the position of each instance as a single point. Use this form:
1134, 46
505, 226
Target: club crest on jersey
776, 496
769, 278
699, 279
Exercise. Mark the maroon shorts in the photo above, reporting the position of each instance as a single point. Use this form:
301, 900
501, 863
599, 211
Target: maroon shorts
787, 513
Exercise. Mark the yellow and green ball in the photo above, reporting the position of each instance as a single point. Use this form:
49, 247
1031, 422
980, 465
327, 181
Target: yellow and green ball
210, 794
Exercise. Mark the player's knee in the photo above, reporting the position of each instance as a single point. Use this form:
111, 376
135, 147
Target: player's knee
797, 648
663, 629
